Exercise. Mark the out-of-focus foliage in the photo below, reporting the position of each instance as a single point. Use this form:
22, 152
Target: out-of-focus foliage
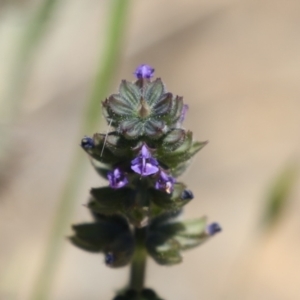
279, 195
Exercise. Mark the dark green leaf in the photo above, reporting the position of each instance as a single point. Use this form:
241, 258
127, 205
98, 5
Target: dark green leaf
109, 201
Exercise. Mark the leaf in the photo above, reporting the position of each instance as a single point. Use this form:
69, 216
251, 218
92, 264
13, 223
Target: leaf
110, 235
166, 253
94, 236
106, 200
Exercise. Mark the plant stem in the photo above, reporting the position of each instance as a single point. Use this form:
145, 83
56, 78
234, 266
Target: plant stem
138, 266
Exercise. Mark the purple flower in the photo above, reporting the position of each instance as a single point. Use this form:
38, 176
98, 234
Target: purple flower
184, 110
165, 182
144, 164
213, 228
144, 71
117, 179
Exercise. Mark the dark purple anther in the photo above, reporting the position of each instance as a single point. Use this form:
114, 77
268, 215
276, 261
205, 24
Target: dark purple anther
187, 195
117, 179
144, 164
109, 258
144, 71
87, 143
165, 183
213, 228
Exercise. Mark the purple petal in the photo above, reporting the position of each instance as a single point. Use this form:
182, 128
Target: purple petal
117, 179
144, 164
145, 152
145, 169
165, 183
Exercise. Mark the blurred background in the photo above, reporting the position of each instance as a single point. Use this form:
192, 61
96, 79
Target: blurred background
236, 63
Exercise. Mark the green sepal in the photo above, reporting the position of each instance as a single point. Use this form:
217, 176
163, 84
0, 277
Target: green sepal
181, 151
167, 201
115, 143
177, 106
192, 233
172, 140
179, 169
100, 153
108, 235
108, 201
166, 240
101, 169
111, 148
154, 92
163, 251
160, 243
130, 92
145, 109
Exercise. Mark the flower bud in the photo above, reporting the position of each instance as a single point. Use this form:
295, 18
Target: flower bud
213, 228
144, 71
87, 143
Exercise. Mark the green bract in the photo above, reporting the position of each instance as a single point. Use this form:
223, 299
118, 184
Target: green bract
143, 108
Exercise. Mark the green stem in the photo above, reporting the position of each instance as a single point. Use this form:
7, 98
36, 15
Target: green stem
65, 208
138, 266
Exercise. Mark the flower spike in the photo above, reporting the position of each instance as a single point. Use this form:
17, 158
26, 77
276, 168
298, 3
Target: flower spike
135, 215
